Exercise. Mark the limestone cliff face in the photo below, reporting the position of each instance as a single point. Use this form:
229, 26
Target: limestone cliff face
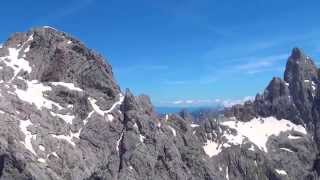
63, 116
295, 98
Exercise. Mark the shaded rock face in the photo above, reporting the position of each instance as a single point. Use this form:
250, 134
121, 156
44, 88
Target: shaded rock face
277, 101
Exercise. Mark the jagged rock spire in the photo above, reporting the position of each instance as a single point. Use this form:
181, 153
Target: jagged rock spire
291, 98
299, 67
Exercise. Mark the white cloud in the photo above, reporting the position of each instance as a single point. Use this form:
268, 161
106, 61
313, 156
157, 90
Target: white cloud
176, 82
230, 103
254, 65
189, 101
206, 102
178, 102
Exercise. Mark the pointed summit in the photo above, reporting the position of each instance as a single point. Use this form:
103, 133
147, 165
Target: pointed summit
55, 56
296, 53
299, 67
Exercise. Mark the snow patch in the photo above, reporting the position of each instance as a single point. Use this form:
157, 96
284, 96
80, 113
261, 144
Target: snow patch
53, 153
67, 118
89, 116
68, 138
141, 137
34, 95
70, 86
258, 130
281, 172
41, 160
286, 149
194, 125
110, 117
251, 148
97, 109
118, 142
173, 131
135, 125
42, 148
49, 27
27, 49
24, 124
212, 148
16, 63
293, 137
158, 124
227, 173
313, 85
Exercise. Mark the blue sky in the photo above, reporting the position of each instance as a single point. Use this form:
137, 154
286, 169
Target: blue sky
191, 52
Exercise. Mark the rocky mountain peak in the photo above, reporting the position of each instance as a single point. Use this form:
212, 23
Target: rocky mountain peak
63, 116
300, 67
276, 88
54, 56
297, 53
292, 97
57, 92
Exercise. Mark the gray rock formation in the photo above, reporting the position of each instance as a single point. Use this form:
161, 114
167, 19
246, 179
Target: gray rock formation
296, 98
63, 116
292, 98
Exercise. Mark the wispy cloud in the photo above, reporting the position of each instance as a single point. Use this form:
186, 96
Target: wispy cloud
202, 80
189, 102
176, 82
206, 102
254, 65
239, 66
230, 103
260, 64
233, 50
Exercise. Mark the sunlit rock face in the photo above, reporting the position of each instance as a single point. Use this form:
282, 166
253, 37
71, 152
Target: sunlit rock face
63, 116
57, 98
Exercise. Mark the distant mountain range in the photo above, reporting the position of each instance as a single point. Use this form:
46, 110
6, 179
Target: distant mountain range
170, 110
64, 117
